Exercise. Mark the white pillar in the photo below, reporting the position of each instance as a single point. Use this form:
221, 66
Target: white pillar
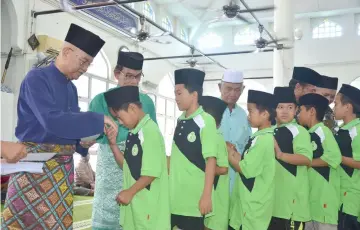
283, 62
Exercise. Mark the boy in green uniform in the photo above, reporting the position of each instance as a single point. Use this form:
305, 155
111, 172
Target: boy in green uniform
253, 196
324, 177
216, 108
193, 155
293, 153
145, 194
128, 72
347, 108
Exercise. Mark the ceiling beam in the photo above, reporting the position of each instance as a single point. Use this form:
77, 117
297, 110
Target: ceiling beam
208, 55
85, 7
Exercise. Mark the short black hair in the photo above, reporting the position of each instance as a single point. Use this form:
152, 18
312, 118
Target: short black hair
271, 111
346, 100
320, 113
118, 68
194, 88
125, 106
293, 82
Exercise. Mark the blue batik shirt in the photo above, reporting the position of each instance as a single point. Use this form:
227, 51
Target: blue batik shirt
235, 129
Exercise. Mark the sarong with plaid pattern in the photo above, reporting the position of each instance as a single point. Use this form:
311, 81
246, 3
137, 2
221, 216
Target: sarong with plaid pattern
42, 201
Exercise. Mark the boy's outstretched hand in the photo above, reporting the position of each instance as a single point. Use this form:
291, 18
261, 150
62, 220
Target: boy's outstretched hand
111, 135
124, 197
205, 204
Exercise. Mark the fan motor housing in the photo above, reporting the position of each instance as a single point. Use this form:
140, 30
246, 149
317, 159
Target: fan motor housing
231, 11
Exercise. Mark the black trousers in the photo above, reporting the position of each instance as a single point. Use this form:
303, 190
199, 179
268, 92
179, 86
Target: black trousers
347, 222
284, 224
187, 222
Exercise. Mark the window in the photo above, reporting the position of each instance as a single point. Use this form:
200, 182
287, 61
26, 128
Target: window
327, 29
210, 40
100, 66
184, 35
358, 30
132, 5
97, 87
166, 110
246, 36
166, 23
148, 11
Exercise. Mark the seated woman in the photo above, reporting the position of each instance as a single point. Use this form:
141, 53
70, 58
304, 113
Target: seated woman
84, 178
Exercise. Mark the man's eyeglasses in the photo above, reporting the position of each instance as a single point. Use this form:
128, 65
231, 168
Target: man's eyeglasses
129, 77
82, 61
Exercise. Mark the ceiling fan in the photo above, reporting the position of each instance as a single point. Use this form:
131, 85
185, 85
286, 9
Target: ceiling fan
144, 33
233, 10
262, 43
192, 62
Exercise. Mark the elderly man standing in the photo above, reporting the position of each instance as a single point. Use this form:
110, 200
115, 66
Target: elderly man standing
49, 120
106, 212
234, 126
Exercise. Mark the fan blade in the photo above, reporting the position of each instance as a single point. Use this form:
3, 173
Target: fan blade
160, 42
278, 40
286, 48
257, 9
203, 8
161, 34
238, 16
205, 63
214, 20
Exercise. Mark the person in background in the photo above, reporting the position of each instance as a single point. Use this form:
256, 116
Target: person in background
144, 199
254, 194
293, 154
347, 109
49, 120
193, 155
324, 176
234, 126
84, 177
304, 80
216, 107
327, 88
106, 212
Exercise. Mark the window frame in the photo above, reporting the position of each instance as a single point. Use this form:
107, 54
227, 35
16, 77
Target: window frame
166, 23
148, 11
246, 32
330, 29
184, 35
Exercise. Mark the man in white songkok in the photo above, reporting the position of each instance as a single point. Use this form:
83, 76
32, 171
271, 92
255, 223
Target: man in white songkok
234, 126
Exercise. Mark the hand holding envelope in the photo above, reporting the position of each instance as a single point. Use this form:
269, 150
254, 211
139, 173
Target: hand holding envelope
12, 152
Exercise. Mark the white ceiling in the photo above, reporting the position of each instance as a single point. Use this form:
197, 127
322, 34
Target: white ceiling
189, 13
188, 10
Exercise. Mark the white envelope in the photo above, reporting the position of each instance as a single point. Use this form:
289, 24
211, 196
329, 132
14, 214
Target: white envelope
36, 157
90, 138
31, 167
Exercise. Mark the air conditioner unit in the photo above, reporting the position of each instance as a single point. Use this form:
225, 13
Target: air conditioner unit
48, 43
48, 50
